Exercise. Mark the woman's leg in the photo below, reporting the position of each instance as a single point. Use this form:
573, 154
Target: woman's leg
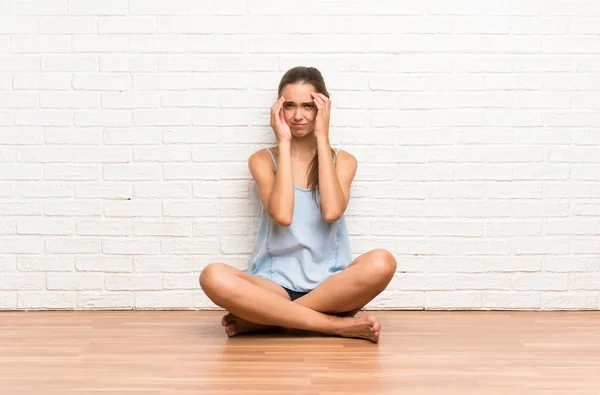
351, 289
235, 325
227, 287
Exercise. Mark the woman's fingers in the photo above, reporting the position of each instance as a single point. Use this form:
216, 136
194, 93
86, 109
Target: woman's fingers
322, 105
326, 100
276, 110
318, 101
280, 109
277, 104
281, 117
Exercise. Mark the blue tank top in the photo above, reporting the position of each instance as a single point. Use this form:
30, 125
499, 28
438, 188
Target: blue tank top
303, 255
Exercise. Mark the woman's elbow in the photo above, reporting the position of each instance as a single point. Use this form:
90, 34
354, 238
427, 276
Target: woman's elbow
332, 216
282, 220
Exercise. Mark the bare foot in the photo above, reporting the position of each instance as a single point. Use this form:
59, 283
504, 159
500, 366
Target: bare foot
235, 325
366, 327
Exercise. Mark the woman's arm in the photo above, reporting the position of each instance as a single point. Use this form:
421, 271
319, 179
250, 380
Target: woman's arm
334, 180
281, 198
276, 189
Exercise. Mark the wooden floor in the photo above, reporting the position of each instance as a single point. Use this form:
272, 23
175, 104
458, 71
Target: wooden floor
161, 352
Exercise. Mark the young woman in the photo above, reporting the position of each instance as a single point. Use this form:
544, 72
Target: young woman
301, 274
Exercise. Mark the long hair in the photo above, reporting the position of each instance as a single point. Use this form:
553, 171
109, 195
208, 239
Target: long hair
307, 75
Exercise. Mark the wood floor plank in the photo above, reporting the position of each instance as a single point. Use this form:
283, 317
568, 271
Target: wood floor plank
187, 352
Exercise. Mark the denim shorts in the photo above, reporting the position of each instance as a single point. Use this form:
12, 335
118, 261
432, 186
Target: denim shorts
294, 294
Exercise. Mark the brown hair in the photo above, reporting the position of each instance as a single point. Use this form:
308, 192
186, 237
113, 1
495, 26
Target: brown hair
307, 75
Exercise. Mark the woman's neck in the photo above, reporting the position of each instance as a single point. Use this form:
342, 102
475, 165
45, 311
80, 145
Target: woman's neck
304, 148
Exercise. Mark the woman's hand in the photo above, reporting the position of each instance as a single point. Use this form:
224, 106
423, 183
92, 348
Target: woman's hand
323, 104
278, 124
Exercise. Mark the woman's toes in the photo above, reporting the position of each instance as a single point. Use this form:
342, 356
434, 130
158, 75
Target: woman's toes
375, 322
228, 329
227, 318
231, 328
375, 327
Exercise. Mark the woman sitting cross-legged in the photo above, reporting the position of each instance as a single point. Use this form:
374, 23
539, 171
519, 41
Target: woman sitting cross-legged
301, 274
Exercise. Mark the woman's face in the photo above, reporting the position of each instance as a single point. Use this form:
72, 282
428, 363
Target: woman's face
299, 109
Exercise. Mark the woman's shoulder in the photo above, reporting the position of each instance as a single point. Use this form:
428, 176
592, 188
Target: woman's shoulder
263, 152
275, 150
342, 152
261, 157
345, 157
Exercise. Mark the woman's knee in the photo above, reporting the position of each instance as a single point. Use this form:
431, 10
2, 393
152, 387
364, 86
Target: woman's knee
382, 265
215, 279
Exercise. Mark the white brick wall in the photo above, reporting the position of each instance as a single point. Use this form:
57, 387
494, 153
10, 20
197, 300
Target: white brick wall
125, 126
